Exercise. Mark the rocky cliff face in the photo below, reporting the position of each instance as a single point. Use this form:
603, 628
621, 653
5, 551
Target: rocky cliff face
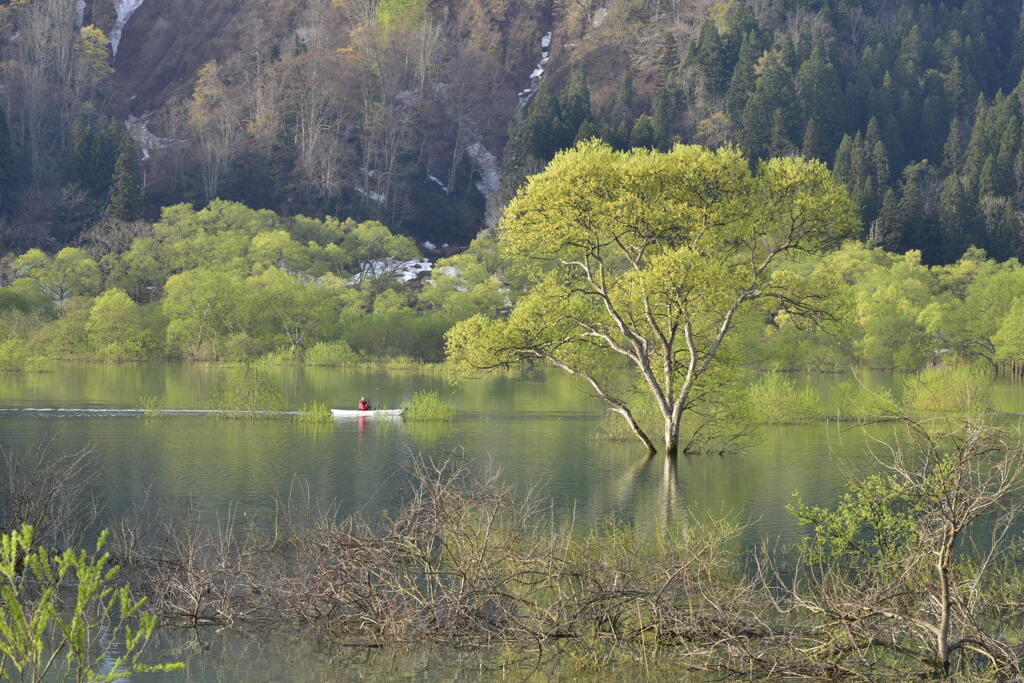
166, 41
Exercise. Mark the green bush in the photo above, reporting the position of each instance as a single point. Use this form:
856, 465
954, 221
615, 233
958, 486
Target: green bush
248, 392
280, 357
15, 358
315, 413
774, 399
101, 631
331, 354
853, 401
956, 389
428, 406
398, 333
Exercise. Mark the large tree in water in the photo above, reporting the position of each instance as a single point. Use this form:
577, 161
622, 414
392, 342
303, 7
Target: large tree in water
641, 263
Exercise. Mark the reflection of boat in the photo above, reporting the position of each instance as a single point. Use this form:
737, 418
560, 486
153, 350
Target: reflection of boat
365, 413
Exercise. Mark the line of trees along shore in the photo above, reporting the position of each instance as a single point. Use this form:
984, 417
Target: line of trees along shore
230, 283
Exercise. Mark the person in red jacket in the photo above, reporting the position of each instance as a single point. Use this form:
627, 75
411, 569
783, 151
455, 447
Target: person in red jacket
363, 404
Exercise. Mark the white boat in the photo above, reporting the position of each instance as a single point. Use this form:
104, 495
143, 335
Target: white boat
365, 413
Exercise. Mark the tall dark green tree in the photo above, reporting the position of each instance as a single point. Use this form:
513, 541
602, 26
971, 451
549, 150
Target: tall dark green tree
544, 124
774, 92
126, 193
744, 77
821, 96
574, 105
713, 57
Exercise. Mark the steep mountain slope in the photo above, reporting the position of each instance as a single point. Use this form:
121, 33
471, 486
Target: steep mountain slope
403, 110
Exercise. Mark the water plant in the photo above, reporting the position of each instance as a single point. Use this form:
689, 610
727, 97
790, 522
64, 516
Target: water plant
331, 354
151, 406
775, 399
965, 388
315, 413
247, 393
428, 406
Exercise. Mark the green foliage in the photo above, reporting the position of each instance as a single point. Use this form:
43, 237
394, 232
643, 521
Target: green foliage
116, 328
965, 388
428, 406
402, 14
873, 521
315, 413
775, 400
397, 333
330, 354
66, 605
151, 406
279, 358
852, 400
248, 392
15, 357
126, 193
70, 273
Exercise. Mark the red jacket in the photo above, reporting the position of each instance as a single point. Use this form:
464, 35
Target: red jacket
363, 405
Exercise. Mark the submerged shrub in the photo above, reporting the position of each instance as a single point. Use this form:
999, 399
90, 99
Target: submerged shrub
774, 399
249, 392
280, 357
14, 357
315, 413
331, 354
855, 401
428, 406
961, 388
151, 406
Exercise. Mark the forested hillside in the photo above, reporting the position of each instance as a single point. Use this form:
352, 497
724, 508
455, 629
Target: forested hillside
426, 115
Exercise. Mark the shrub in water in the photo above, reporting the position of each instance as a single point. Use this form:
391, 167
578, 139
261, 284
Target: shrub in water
315, 413
151, 406
331, 354
774, 399
428, 406
281, 357
247, 392
961, 388
855, 401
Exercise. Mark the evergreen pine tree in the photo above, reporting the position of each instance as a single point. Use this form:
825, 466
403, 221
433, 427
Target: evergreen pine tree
780, 145
713, 57
813, 146
953, 152
887, 229
669, 58
774, 92
744, 77
664, 114
621, 122
642, 134
574, 105
821, 96
956, 224
126, 193
543, 124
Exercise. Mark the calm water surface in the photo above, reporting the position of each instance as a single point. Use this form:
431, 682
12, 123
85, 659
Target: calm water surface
538, 431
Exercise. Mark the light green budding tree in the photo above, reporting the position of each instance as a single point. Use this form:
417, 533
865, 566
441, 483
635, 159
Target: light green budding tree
642, 262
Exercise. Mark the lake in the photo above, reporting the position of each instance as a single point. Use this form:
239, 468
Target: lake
540, 431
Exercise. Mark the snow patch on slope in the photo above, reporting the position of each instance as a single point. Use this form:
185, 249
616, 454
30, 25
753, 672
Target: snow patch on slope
487, 167
138, 128
125, 10
538, 71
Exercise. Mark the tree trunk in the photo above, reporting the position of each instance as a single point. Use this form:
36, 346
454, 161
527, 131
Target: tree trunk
638, 430
671, 437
